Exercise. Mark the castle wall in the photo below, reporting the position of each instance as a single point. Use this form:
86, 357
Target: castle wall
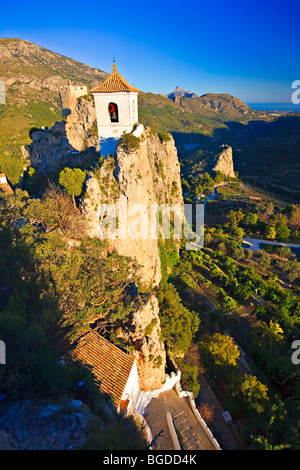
68, 97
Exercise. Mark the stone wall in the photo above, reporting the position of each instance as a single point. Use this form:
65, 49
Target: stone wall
68, 95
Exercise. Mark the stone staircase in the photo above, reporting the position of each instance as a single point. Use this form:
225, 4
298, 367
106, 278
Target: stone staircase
190, 439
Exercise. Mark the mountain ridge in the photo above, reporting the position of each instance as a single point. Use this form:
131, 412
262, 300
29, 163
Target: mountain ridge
223, 106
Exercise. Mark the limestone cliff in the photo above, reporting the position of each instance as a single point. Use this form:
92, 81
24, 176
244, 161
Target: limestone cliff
143, 332
224, 162
64, 144
142, 178
147, 176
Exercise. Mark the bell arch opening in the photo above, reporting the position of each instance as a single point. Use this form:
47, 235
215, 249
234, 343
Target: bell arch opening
113, 112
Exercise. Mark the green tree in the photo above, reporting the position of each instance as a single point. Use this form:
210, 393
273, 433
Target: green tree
129, 142
251, 219
249, 395
282, 230
55, 212
72, 179
219, 177
178, 324
271, 332
270, 232
238, 233
221, 348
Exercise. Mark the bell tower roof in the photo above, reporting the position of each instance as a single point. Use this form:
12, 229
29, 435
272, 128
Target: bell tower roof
114, 83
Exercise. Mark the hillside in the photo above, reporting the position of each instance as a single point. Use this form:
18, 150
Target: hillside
166, 115
215, 106
33, 75
199, 124
224, 315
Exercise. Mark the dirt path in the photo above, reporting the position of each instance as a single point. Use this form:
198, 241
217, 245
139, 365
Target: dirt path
225, 435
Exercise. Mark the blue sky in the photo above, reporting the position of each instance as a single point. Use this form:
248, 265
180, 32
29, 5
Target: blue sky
248, 49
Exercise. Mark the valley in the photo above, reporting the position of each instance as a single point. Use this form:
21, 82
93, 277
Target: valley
225, 315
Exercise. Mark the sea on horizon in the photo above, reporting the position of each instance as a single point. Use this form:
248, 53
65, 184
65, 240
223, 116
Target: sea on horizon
289, 107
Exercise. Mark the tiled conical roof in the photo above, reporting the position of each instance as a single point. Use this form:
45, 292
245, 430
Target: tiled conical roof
114, 83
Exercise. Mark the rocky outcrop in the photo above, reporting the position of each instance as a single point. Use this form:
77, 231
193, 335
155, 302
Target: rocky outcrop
131, 181
64, 144
140, 180
224, 162
26, 425
81, 125
143, 332
147, 176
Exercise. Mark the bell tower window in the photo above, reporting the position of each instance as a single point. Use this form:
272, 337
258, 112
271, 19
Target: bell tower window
113, 112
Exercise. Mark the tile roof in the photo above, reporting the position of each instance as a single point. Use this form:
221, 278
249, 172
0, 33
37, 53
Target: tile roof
114, 83
5, 188
110, 365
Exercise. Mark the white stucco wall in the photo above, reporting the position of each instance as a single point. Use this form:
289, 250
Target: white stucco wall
127, 110
139, 399
131, 390
143, 399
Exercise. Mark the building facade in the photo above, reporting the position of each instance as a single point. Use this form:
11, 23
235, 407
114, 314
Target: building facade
116, 104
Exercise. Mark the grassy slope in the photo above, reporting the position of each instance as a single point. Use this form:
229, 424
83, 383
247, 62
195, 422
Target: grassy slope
32, 95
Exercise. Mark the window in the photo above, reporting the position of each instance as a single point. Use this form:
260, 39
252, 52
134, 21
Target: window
113, 112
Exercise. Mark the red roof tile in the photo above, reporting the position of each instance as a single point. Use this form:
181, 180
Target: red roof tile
5, 188
114, 83
110, 365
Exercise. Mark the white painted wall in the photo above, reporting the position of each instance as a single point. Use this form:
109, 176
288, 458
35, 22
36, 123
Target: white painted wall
132, 388
143, 399
127, 109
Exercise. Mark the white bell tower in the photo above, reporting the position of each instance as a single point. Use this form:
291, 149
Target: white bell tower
116, 105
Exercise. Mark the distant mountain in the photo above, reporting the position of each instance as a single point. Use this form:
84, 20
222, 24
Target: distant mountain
212, 105
180, 92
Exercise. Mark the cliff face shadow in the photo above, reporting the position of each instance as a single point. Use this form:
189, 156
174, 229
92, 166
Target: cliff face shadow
266, 153
51, 151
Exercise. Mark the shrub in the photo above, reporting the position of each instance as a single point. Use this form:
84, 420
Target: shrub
189, 374
72, 179
129, 142
164, 137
